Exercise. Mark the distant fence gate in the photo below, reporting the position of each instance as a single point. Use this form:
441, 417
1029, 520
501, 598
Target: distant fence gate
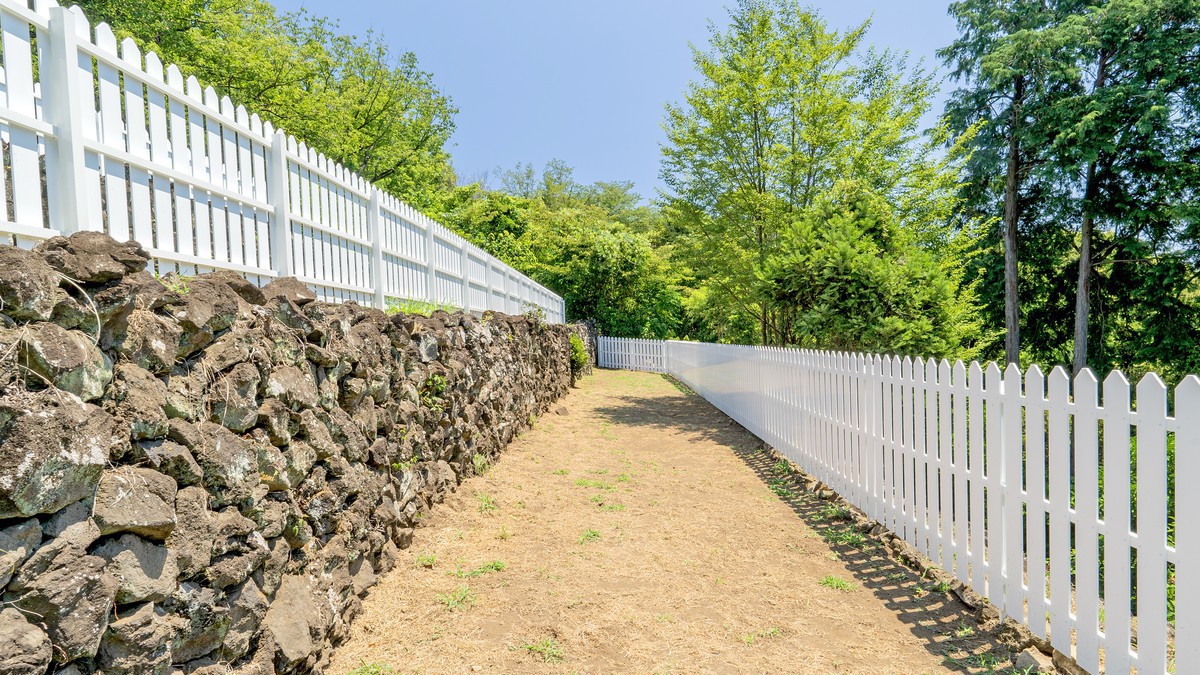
97, 136
1072, 517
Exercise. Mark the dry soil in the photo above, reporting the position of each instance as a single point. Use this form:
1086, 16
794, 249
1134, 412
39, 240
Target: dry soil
643, 531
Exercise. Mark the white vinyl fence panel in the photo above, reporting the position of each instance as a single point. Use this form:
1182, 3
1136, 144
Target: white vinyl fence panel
1021, 485
98, 136
632, 354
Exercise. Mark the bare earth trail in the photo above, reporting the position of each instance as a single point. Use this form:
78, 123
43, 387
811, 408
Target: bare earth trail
692, 564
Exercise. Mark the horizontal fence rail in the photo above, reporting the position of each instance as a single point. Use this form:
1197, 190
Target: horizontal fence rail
1054, 499
98, 136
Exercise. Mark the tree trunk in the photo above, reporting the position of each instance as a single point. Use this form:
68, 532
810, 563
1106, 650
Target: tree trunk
1084, 283
1012, 318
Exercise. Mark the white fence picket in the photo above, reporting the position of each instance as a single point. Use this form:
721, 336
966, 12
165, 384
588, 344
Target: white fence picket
996, 476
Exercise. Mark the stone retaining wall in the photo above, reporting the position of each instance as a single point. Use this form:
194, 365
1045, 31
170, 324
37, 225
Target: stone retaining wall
203, 476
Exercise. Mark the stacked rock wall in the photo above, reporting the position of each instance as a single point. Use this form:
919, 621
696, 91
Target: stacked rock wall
198, 475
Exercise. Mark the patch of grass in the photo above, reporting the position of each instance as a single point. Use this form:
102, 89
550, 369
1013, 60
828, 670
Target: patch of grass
596, 484
781, 468
985, 662
547, 648
833, 512
623, 478
503, 534
598, 472
560, 472
612, 507
781, 488
920, 592
406, 306
964, 630
749, 638
843, 536
481, 464
372, 669
596, 499
664, 618
462, 597
942, 587
486, 503
836, 583
426, 560
589, 535
493, 566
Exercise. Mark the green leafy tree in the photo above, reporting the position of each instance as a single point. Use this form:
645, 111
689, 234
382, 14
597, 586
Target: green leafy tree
851, 277
783, 109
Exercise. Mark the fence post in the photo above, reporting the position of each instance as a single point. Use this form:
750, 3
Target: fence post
430, 270
464, 266
277, 193
61, 95
375, 221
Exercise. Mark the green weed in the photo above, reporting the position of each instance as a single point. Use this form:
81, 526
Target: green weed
547, 648
836, 583
461, 597
486, 503
589, 535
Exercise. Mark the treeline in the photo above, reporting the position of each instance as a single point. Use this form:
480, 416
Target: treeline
1050, 217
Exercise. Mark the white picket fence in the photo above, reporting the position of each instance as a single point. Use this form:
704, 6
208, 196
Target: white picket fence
128, 146
975, 468
631, 354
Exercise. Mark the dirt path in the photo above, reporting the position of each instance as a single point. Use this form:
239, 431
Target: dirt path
640, 533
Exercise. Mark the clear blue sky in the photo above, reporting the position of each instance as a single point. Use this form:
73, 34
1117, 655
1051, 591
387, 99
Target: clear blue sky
580, 80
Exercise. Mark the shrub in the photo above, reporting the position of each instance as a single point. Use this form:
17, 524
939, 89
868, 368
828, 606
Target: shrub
579, 356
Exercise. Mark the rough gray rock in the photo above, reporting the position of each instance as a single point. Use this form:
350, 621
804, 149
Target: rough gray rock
193, 537
30, 288
291, 289
150, 341
294, 387
202, 625
208, 307
71, 593
93, 257
247, 607
171, 459
234, 398
146, 571
65, 358
230, 465
290, 617
53, 448
137, 643
17, 542
136, 401
141, 501
1033, 661
24, 648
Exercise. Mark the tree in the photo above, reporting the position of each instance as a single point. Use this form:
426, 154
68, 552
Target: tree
590, 243
1107, 169
783, 109
1003, 67
855, 279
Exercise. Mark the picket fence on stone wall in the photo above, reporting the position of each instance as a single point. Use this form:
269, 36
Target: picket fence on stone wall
98, 136
1018, 484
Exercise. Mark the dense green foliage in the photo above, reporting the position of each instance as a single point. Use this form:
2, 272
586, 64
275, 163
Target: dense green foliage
803, 202
786, 117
